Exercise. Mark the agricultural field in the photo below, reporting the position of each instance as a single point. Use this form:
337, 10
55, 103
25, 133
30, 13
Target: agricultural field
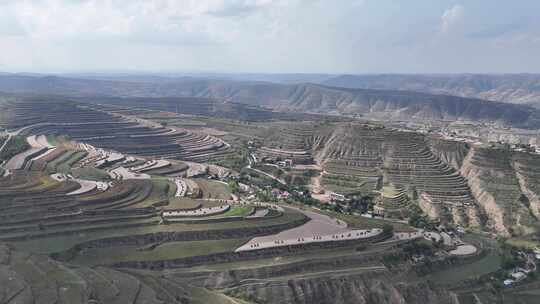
142, 204
12, 146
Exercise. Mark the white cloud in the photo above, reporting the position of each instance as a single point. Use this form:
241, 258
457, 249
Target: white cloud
452, 17
352, 36
135, 19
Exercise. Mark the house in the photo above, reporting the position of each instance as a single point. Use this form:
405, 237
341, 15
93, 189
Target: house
537, 253
285, 163
275, 192
508, 282
244, 188
284, 195
518, 276
417, 258
378, 210
525, 270
336, 197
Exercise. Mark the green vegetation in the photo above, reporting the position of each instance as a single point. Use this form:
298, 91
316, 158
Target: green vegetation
418, 219
16, 145
234, 186
523, 243
360, 222
213, 189
165, 251
90, 173
235, 160
160, 192
238, 211
125, 223
65, 162
387, 228
113, 229
52, 139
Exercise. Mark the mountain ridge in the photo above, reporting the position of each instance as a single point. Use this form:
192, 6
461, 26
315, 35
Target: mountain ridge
511, 88
306, 97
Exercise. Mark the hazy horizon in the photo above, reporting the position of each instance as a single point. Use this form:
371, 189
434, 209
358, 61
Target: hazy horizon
209, 73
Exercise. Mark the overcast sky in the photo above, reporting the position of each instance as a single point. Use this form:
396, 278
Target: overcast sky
275, 36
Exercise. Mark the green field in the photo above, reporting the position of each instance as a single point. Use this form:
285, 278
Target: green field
486, 264
61, 243
65, 162
212, 189
90, 173
238, 211
357, 221
522, 243
166, 251
455, 274
16, 145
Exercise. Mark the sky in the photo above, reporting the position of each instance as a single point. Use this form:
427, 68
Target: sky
270, 36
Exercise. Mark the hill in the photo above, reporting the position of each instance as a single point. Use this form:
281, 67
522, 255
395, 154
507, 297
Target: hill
512, 88
313, 98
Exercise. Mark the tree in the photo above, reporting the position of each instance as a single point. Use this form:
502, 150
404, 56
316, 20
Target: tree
388, 229
234, 186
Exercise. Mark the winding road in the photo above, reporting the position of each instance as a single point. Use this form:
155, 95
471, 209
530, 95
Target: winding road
320, 228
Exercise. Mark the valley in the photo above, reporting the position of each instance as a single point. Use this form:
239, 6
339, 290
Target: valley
269, 152
175, 203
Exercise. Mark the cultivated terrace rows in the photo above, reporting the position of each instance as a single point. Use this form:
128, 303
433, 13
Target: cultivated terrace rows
104, 130
471, 186
99, 205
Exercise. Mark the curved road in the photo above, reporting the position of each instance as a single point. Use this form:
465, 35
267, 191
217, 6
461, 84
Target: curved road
321, 228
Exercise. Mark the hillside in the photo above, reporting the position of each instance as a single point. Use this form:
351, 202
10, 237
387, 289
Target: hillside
119, 204
512, 88
379, 104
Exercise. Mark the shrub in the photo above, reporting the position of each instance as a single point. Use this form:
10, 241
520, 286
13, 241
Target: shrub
387, 228
15, 146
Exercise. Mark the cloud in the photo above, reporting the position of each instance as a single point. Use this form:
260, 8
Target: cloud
452, 17
236, 8
498, 30
352, 36
135, 20
9, 25
519, 40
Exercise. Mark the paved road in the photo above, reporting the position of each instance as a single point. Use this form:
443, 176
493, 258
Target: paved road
254, 160
198, 212
269, 175
321, 228
464, 250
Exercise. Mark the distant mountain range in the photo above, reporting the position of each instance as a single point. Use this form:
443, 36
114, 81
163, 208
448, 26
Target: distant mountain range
382, 103
511, 88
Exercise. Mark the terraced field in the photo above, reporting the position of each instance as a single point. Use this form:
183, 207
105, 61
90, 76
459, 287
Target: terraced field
451, 181
12, 146
110, 130
123, 203
393, 202
360, 159
498, 187
291, 141
527, 168
63, 200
